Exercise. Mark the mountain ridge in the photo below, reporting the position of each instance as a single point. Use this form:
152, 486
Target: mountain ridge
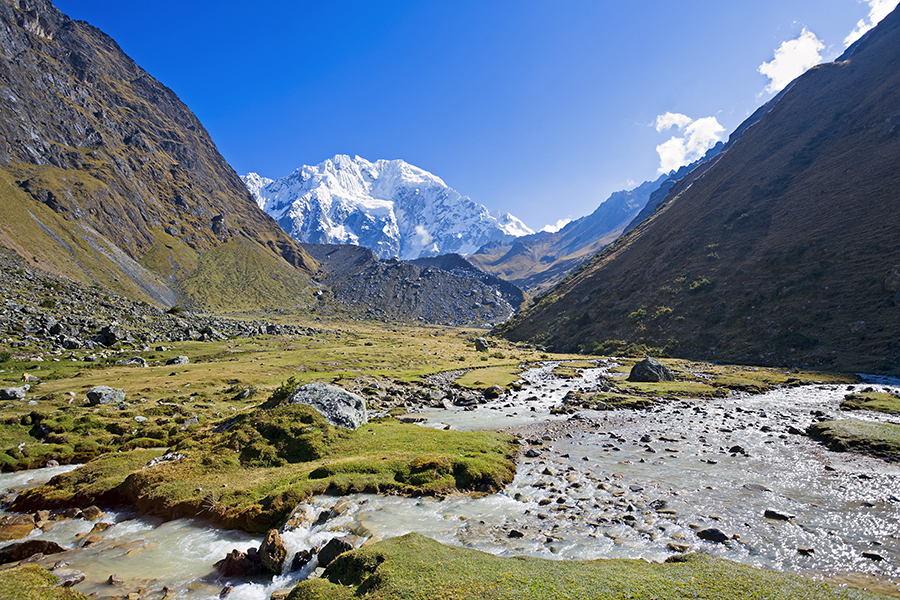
782, 251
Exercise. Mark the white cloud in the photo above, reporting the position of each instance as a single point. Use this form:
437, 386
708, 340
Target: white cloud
697, 137
669, 120
559, 225
878, 9
792, 59
422, 236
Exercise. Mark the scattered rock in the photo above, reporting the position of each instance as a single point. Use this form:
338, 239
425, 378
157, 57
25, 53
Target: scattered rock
650, 370
137, 361
806, 551
103, 394
178, 360
339, 407
515, 533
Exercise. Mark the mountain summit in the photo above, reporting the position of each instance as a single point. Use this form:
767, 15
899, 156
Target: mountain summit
389, 206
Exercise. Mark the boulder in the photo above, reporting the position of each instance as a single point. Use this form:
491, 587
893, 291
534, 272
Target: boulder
14, 393
339, 407
22, 550
91, 513
14, 527
103, 394
650, 370
481, 345
178, 360
272, 552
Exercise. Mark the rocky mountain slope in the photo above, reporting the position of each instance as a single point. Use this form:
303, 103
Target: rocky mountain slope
539, 261
389, 206
361, 285
107, 178
784, 250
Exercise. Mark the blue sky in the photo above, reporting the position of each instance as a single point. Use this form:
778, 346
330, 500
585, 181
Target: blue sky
536, 108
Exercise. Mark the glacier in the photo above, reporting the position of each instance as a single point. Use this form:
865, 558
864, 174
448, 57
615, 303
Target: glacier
389, 206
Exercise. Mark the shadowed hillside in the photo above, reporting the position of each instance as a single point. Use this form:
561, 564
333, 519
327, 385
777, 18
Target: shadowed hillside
784, 251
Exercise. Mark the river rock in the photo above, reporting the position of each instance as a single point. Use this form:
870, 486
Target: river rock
14, 393
68, 577
495, 391
301, 559
178, 360
103, 394
713, 535
91, 513
240, 564
22, 550
339, 407
14, 527
650, 370
272, 552
777, 516
335, 548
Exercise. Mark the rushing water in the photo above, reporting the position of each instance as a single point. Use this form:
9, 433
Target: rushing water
622, 484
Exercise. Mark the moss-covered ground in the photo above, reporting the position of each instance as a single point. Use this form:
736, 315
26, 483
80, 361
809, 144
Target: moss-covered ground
413, 566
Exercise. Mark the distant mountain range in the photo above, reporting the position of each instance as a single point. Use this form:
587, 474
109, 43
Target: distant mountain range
539, 261
782, 249
388, 206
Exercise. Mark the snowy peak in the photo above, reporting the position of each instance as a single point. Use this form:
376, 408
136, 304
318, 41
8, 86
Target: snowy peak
389, 206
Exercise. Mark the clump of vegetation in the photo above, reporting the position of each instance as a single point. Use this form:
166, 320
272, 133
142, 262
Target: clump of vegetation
413, 566
881, 440
699, 285
877, 401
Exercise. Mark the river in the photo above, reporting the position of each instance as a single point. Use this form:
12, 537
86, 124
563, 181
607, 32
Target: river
616, 484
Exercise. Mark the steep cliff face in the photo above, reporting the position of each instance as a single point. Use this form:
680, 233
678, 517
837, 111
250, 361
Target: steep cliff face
102, 166
783, 251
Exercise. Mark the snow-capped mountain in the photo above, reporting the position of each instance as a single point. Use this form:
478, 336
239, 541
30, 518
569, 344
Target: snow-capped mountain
389, 206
